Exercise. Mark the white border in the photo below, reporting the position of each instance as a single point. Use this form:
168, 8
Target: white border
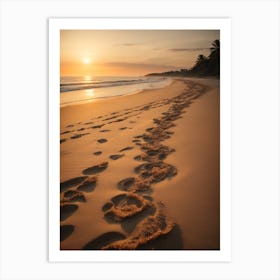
224, 254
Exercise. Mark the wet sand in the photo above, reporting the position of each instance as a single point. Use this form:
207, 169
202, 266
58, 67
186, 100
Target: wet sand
142, 171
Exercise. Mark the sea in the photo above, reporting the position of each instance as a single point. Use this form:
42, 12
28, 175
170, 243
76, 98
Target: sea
80, 89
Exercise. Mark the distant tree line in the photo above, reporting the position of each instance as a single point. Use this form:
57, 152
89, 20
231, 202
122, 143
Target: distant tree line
204, 66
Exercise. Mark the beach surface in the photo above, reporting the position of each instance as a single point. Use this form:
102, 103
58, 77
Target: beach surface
142, 171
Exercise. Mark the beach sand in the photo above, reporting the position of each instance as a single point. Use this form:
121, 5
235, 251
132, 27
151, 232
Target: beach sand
142, 171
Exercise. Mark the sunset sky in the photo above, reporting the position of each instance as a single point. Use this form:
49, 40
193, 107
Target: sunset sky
131, 52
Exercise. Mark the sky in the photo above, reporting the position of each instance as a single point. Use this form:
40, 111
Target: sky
131, 52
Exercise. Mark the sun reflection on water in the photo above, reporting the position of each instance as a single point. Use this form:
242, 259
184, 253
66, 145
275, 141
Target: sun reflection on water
87, 78
90, 92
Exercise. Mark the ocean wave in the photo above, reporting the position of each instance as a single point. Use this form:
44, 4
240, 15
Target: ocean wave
72, 86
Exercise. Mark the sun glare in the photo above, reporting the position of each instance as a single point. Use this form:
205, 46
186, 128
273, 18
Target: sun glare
86, 60
87, 78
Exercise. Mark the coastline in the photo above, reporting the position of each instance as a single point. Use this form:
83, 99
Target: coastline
141, 97
110, 89
193, 150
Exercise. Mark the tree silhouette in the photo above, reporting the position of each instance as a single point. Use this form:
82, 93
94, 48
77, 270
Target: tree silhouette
214, 58
204, 66
209, 66
215, 49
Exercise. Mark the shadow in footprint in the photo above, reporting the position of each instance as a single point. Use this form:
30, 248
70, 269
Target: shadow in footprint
89, 185
65, 132
66, 231
71, 183
102, 140
98, 153
103, 240
171, 241
78, 135
97, 126
96, 168
73, 196
129, 224
67, 210
107, 206
126, 149
70, 193
115, 157
126, 183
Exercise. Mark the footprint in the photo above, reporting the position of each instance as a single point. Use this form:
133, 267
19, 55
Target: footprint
111, 118
70, 125
75, 196
126, 183
66, 231
126, 149
97, 126
139, 157
123, 128
129, 224
71, 183
119, 120
103, 240
124, 206
96, 168
102, 140
150, 129
105, 130
150, 228
70, 193
78, 135
88, 185
115, 157
65, 132
154, 153
107, 206
98, 153
156, 171
67, 210
171, 241
132, 184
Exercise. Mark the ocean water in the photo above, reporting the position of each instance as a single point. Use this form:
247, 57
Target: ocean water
80, 89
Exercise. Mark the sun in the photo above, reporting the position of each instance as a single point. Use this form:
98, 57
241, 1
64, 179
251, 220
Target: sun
86, 60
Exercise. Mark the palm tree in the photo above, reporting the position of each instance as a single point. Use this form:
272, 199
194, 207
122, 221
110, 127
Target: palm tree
215, 47
214, 58
200, 59
201, 65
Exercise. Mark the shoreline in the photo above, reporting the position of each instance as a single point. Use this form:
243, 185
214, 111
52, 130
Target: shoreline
120, 88
130, 97
147, 150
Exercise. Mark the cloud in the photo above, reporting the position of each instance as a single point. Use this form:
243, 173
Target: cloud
188, 49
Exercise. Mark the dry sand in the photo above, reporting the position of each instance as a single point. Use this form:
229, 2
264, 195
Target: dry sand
142, 171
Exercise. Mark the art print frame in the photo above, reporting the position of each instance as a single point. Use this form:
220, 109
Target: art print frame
224, 254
